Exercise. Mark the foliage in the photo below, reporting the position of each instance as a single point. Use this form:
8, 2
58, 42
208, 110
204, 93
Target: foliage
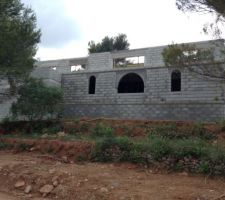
102, 130
185, 55
108, 44
216, 7
30, 127
177, 154
19, 38
37, 101
112, 149
171, 131
196, 60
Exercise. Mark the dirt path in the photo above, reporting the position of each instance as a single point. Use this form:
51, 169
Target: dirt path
93, 181
6, 197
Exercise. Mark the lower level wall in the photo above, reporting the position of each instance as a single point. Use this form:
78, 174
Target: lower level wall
182, 111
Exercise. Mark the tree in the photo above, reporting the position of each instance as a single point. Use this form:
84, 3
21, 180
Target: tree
108, 44
216, 7
197, 60
36, 101
19, 37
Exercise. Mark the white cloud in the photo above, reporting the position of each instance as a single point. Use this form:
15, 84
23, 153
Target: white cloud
58, 29
146, 23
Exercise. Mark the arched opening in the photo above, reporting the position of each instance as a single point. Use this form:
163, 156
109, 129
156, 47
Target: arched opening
131, 83
92, 83
176, 81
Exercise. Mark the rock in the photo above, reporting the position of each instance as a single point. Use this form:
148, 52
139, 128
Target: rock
65, 159
61, 191
28, 189
52, 171
114, 184
19, 184
12, 175
104, 190
78, 184
32, 149
44, 136
183, 174
61, 134
55, 178
55, 183
46, 189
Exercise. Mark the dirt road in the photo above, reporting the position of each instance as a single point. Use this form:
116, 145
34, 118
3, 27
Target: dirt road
94, 181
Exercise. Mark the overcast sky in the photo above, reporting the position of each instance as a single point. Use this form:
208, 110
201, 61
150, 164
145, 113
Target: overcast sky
68, 25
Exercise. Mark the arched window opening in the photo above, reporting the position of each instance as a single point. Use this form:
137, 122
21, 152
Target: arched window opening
92, 83
176, 81
131, 83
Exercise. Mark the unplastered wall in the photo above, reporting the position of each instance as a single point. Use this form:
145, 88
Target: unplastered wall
153, 55
100, 61
199, 97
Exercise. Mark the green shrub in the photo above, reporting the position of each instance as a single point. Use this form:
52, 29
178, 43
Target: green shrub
84, 127
158, 148
101, 130
177, 154
52, 129
113, 149
24, 146
4, 146
198, 130
204, 167
189, 148
36, 101
171, 131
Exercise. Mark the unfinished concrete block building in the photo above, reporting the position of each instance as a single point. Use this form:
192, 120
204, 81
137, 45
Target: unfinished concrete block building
144, 88
135, 84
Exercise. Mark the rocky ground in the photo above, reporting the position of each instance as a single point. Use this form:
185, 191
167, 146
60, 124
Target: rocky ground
40, 176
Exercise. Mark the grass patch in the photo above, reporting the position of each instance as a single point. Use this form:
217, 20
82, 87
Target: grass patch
172, 131
177, 154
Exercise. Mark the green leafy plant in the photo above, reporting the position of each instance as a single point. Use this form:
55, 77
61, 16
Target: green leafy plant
37, 101
101, 130
19, 39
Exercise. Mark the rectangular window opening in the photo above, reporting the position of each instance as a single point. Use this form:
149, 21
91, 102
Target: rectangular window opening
77, 68
137, 61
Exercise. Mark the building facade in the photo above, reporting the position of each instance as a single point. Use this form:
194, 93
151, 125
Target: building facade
133, 84
143, 89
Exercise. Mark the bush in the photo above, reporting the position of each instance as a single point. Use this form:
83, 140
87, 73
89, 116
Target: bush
113, 149
37, 101
198, 130
176, 154
171, 131
101, 130
45, 126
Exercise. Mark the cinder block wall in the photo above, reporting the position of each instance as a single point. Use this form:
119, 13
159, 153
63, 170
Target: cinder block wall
199, 98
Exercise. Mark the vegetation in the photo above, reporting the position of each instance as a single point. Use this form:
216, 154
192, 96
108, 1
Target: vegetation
176, 154
19, 38
171, 131
197, 60
108, 44
37, 101
191, 148
216, 7
102, 130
